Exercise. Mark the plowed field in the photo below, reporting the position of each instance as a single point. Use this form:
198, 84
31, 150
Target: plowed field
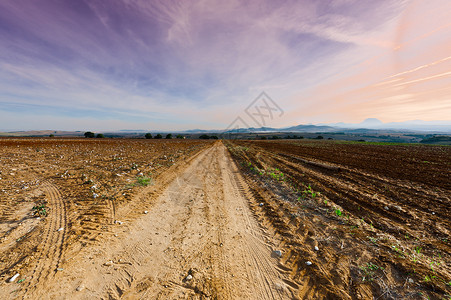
380, 215
179, 219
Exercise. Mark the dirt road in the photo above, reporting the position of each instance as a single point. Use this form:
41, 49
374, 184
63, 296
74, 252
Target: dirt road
197, 238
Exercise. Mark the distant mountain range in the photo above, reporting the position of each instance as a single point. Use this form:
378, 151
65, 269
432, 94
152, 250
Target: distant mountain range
369, 124
414, 125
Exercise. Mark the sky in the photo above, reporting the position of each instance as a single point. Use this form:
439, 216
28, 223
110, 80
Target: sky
174, 65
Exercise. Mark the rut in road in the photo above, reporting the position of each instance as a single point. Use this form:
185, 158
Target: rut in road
51, 246
200, 225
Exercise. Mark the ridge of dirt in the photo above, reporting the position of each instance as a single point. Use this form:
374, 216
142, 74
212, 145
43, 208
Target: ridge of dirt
60, 196
244, 220
198, 240
373, 239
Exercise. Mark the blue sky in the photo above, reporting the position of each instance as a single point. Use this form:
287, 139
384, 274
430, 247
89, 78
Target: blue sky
167, 65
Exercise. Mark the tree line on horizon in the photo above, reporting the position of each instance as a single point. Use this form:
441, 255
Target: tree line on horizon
90, 134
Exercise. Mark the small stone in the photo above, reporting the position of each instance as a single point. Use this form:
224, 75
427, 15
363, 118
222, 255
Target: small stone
12, 279
433, 213
308, 263
410, 280
61, 229
146, 212
316, 248
277, 253
189, 277
108, 263
386, 207
60, 269
80, 288
261, 204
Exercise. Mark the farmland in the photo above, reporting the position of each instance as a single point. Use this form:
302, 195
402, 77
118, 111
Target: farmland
191, 219
61, 195
379, 213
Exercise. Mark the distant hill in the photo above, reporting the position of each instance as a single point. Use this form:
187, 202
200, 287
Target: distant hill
39, 133
439, 140
413, 125
309, 128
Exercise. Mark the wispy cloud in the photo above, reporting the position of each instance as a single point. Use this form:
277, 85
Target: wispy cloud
201, 62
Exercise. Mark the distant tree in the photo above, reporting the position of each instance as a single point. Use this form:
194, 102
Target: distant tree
148, 135
158, 136
446, 140
179, 136
89, 134
275, 137
169, 136
204, 137
52, 135
319, 137
263, 137
100, 136
213, 137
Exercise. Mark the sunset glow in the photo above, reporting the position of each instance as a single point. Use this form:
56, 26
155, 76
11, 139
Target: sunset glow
135, 64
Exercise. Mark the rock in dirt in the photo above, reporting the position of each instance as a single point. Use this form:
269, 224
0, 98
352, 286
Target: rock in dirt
80, 288
12, 279
316, 248
308, 263
108, 263
277, 253
189, 277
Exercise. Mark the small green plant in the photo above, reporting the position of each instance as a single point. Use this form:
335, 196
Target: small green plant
338, 212
144, 180
373, 240
40, 210
369, 270
311, 192
397, 250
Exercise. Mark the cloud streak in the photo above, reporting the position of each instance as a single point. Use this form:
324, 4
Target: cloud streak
199, 63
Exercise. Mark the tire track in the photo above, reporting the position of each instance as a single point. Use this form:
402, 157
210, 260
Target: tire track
269, 281
200, 225
51, 248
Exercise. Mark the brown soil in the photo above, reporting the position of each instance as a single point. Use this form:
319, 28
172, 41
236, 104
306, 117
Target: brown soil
208, 224
58, 196
381, 215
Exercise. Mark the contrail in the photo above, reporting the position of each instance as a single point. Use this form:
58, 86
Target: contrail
424, 79
421, 67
